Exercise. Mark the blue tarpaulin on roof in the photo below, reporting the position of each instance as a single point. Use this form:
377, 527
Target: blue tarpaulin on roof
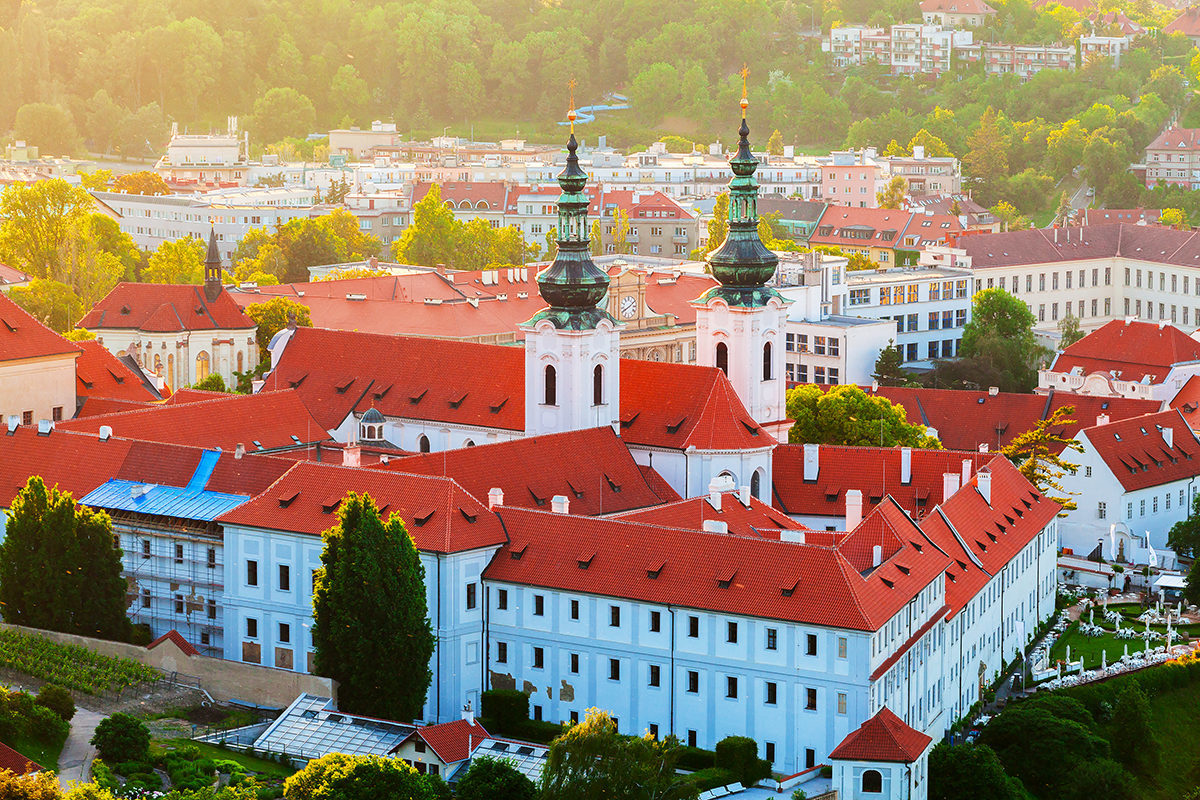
188, 502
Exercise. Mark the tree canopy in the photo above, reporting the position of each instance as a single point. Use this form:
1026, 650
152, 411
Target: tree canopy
998, 346
846, 415
338, 776
436, 237
494, 779
970, 770
1039, 454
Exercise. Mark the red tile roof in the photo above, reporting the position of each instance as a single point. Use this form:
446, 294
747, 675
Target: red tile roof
756, 519
1187, 23
440, 515
258, 421
592, 468
1131, 349
872, 470
174, 636
884, 737
1049, 245
862, 227
9, 275
98, 373
966, 419
95, 406
467, 194
336, 372
658, 484
1136, 451
452, 741
1187, 401
165, 308
17, 764
758, 577
1100, 216
22, 336
75, 462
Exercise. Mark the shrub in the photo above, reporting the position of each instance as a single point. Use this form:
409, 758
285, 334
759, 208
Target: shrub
709, 778
46, 726
121, 738
58, 700
739, 755
693, 758
505, 708
140, 634
102, 776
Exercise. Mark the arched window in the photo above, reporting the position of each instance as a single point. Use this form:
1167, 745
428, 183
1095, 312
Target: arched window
241, 367
598, 385
767, 362
756, 484
550, 395
872, 782
201, 367
723, 358
423, 443
468, 443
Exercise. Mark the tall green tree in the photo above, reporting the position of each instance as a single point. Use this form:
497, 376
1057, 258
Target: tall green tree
1184, 536
52, 303
846, 415
1132, 734
970, 770
893, 194
1039, 455
986, 159
999, 342
177, 261
372, 632
888, 367
272, 316
718, 226
282, 112
775, 143
1041, 749
591, 761
38, 223
1069, 331
59, 568
431, 239
49, 127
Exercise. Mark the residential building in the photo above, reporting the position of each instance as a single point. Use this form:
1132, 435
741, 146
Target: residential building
1091, 47
1173, 158
884, 758
924, 175
1131, 216
357, 143
930, 307
1022, 60
200, 162
907, 49
37, 369
852, 179
956, 13
1187, 23
797, 217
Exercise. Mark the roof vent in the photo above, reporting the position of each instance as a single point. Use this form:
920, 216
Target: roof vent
993, 391
44, 427
559, 504
13, 422
495, 497
105, 432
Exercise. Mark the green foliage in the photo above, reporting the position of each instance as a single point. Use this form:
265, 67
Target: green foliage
344, 777
718, 226
492, 779
998, 347
54, 304
371, 626
888, 369
35, 786
507, 708
79, 335
436, 237
591, 761
272, 316
213, 383
1041, 749
38, 223
58, 700
893, 194
775, 143
68, 665
282, 112
846, 415
48, 127
1103, 778
709, 778
59, 569
1039, 455
177, 261
121, 738
144, 182
969, 770
739, 755
1132, 735
288, 252
1069, 331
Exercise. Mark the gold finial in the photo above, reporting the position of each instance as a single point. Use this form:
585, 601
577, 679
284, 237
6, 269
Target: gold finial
571, 113
745, 101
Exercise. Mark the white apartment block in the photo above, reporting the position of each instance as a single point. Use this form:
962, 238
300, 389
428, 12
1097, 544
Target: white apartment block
909, 49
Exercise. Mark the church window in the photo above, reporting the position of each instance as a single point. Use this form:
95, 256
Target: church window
202, 365
598, 385
767, 372
872, 782
756, 484
723, 357
423, 443
550, 395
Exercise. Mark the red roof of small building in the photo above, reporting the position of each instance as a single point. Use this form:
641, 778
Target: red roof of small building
10, 275
592, 468
98, 373
440, 515
1100, 216
819, 584
1130, 349
1082, 6
474, 195
964, 420
257, 421
884, 737
22, 336
17, 764
1136, 451
177, 638
862, 227
1187, 401
452, 741
1187, 23
875, 471
755, 519
165, 308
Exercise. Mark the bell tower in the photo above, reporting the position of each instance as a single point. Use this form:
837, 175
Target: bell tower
212, 268
572, 347
740, 323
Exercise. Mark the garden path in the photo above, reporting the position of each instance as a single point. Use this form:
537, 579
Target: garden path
77, 753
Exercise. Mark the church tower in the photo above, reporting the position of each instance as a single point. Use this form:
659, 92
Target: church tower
572, 363
740, 324
212, 268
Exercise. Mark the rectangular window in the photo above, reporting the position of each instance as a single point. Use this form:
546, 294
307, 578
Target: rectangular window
614, 669
212, 558
574, 609
145, 598
539, 605
252, 573
654, 675
934, 318
178, 554
285, 578
841, 698
810, 699
841, 647
574, 663
178, 604
539, 658
693, 627
912, 322
772, 693
731, 632
772, 638
693, 682
769, 752
1142, 508
145, 548
691, 738
251, 628
285, 633
655, 621
614, 616
731, 688
502, 599
810, 647
470, 596
501, 652
211, 606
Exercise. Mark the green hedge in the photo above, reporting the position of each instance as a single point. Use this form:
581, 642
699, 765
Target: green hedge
1153, 681
695, 759
739, 755
709, 778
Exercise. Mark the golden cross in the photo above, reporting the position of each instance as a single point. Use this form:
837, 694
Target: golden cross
745, 73
571, 113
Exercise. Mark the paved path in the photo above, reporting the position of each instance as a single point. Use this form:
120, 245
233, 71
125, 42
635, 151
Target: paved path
76, 757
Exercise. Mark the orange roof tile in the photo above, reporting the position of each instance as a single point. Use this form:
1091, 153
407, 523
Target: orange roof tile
174, 636
22, 336
756, 519
1137, 453
17, 764
884, 737
1132, 349
163, 308
452, 741
98, 373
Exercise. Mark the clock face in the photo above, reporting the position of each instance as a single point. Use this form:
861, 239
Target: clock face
628, 306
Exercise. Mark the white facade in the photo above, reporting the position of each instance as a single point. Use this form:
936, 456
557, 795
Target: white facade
572, 378
852, 780
182, 358
929, 306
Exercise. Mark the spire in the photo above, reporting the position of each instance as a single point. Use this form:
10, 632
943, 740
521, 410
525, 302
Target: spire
573, 286
742, 264
212, 267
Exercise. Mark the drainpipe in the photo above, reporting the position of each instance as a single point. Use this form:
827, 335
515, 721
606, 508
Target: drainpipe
486, 661
441, 587
671, 611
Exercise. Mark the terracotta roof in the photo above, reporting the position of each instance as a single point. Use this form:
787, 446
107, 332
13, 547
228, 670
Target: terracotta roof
96, 406
258, 421
165, 308
17, 764
592, 468
174, 636
1082, 6
658, 484
755, 519
966, 419
440, 515
22, 336
1153, 243
861, 227
1187, 23
1100, 216
1136, 451
336, 372
875, 471
10, 275
812, 583
452, 741
884, 737
1132, 349
471, 193
98, 373
1187, 401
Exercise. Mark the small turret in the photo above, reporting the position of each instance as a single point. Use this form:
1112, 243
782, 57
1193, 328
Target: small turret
212, 268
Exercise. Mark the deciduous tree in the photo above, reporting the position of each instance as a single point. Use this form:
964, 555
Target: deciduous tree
986, 159
1069, 331
775, 143
38, 222
121, 737
999, 340
1039, 455
970, 770
49, 127
53, 303
273, 315
372, 632
177, 261
338, 776
493, 779
846, 415
144, 182
431, 239
282, 112
893, 194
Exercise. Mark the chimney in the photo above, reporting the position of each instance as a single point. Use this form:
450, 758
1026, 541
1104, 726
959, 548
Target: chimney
714, 495
744, 496
715, 526
495, 497
993, 391
1168, 435
876, 555
905, 465
469, 714
13, 422
983, 447
239, 451
44, 427
949, 485
352, 455
105, 432
559, 504
966, 472
812, 461
983, 480
853, 509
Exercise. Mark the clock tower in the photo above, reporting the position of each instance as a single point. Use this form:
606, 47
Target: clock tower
572, 347
740, 323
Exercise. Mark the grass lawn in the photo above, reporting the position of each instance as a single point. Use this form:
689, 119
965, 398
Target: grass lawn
46, 755
1089, 647
252, 764
1042, 218
1174, 715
